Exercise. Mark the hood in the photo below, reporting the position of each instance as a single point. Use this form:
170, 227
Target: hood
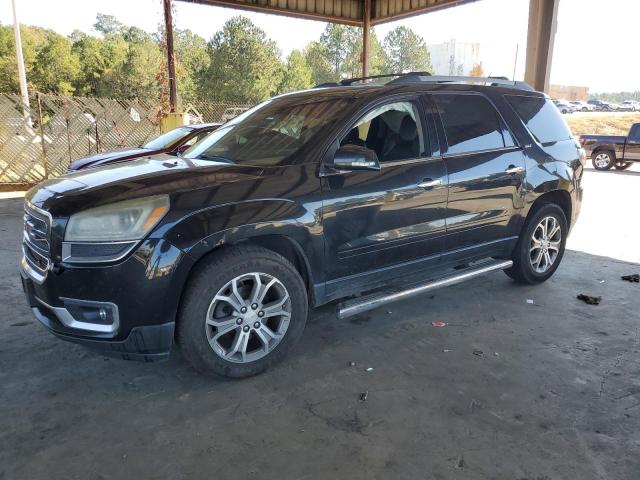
111, 156
162, 174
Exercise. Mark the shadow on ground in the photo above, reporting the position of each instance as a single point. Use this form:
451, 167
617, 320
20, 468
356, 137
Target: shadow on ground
507, 390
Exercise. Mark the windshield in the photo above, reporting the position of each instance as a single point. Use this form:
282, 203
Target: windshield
167, 139
269, 134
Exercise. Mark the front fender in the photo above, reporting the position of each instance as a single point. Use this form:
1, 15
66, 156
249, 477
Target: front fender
211, 228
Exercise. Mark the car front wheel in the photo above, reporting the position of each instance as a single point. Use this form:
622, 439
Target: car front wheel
243, 310
603, 160
541, 245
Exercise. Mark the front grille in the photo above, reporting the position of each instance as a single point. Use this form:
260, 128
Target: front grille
36, 239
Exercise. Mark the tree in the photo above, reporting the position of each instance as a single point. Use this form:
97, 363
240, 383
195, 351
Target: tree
317, 59
341, 46
297, 74
108, 25
245, 66
56, 67
192, 60
477, 70
98, 58
33, 40
406, 51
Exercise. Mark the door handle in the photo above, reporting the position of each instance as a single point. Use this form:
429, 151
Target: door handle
430, 183
512, 170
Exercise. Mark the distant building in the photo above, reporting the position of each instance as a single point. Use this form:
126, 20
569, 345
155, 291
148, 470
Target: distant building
454, 58
568, 92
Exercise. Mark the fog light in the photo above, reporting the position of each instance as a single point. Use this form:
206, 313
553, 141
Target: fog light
100, 313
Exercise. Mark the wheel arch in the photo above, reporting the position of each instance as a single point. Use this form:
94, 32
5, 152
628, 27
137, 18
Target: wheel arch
562, 198
604, 148
284, 245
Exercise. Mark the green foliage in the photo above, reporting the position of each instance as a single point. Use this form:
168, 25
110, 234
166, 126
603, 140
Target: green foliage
297, 74
239, 64
192, 59
108, 24
406, 51
317, 59
56, 68
617, 97
245, 65
341, 47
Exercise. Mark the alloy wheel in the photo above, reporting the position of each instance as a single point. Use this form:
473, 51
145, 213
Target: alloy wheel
602, 160
545, 244
248, 317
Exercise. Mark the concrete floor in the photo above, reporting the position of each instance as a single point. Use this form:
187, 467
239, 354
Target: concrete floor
508, 390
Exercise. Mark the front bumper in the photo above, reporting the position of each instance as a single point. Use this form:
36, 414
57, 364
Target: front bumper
144, 291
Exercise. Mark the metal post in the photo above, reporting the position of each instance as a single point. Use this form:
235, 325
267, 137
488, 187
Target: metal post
42, 141
543, 20
168, 26
22, 76
366, 44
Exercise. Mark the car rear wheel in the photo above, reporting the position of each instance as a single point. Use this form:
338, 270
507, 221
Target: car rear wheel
243, 310
603, 160
541, 246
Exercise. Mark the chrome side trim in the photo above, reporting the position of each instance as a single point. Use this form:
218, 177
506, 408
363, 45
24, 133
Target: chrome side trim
354, 307
480, 152
67, 319
410, 161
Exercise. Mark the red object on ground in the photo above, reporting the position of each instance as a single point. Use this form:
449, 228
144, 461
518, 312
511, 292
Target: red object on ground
438, 324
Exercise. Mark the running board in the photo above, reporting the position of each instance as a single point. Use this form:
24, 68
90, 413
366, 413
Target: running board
358, 305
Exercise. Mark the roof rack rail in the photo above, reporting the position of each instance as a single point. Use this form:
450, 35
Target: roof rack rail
493, 81
348, 81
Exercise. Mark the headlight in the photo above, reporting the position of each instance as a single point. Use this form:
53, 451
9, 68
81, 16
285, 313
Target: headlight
117, 222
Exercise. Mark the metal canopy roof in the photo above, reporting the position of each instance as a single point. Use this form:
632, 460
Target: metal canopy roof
348, 12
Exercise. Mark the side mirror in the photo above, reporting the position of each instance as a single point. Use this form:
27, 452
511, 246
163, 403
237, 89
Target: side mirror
355, 157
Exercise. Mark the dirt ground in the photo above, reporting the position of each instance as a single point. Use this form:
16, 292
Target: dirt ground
507, 390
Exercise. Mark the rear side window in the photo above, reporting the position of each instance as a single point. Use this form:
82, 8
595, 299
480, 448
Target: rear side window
541, 117
634, 135
470, 123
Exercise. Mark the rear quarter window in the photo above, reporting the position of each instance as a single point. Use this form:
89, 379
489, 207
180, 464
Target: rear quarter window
470, 123
541, 117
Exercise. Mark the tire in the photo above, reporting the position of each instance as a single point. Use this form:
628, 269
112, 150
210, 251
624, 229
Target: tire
203, 314
603, 160
585, 109
523, 269
621, 165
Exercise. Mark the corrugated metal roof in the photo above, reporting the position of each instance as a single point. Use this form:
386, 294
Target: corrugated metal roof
349, 12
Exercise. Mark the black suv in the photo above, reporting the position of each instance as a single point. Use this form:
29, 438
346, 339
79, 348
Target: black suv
359, 191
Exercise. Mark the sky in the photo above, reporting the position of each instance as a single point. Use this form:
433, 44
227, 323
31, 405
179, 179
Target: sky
592, 45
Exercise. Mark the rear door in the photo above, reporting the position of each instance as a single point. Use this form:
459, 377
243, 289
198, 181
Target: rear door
632, 147
380, 224
485, 175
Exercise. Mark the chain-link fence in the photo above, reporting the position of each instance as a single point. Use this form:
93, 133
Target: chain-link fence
40, 140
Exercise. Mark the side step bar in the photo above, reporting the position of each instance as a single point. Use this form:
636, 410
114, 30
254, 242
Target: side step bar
362, 304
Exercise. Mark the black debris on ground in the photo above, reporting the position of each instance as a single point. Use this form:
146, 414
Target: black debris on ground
589, 300
633, 278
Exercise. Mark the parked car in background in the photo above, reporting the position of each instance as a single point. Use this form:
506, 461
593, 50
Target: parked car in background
330, 193
602, 106
564, 107
232, 112
608, 151
172, 142
583, 106
630, 106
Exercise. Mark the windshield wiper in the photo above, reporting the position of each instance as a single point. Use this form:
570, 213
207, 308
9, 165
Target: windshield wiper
214, 158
